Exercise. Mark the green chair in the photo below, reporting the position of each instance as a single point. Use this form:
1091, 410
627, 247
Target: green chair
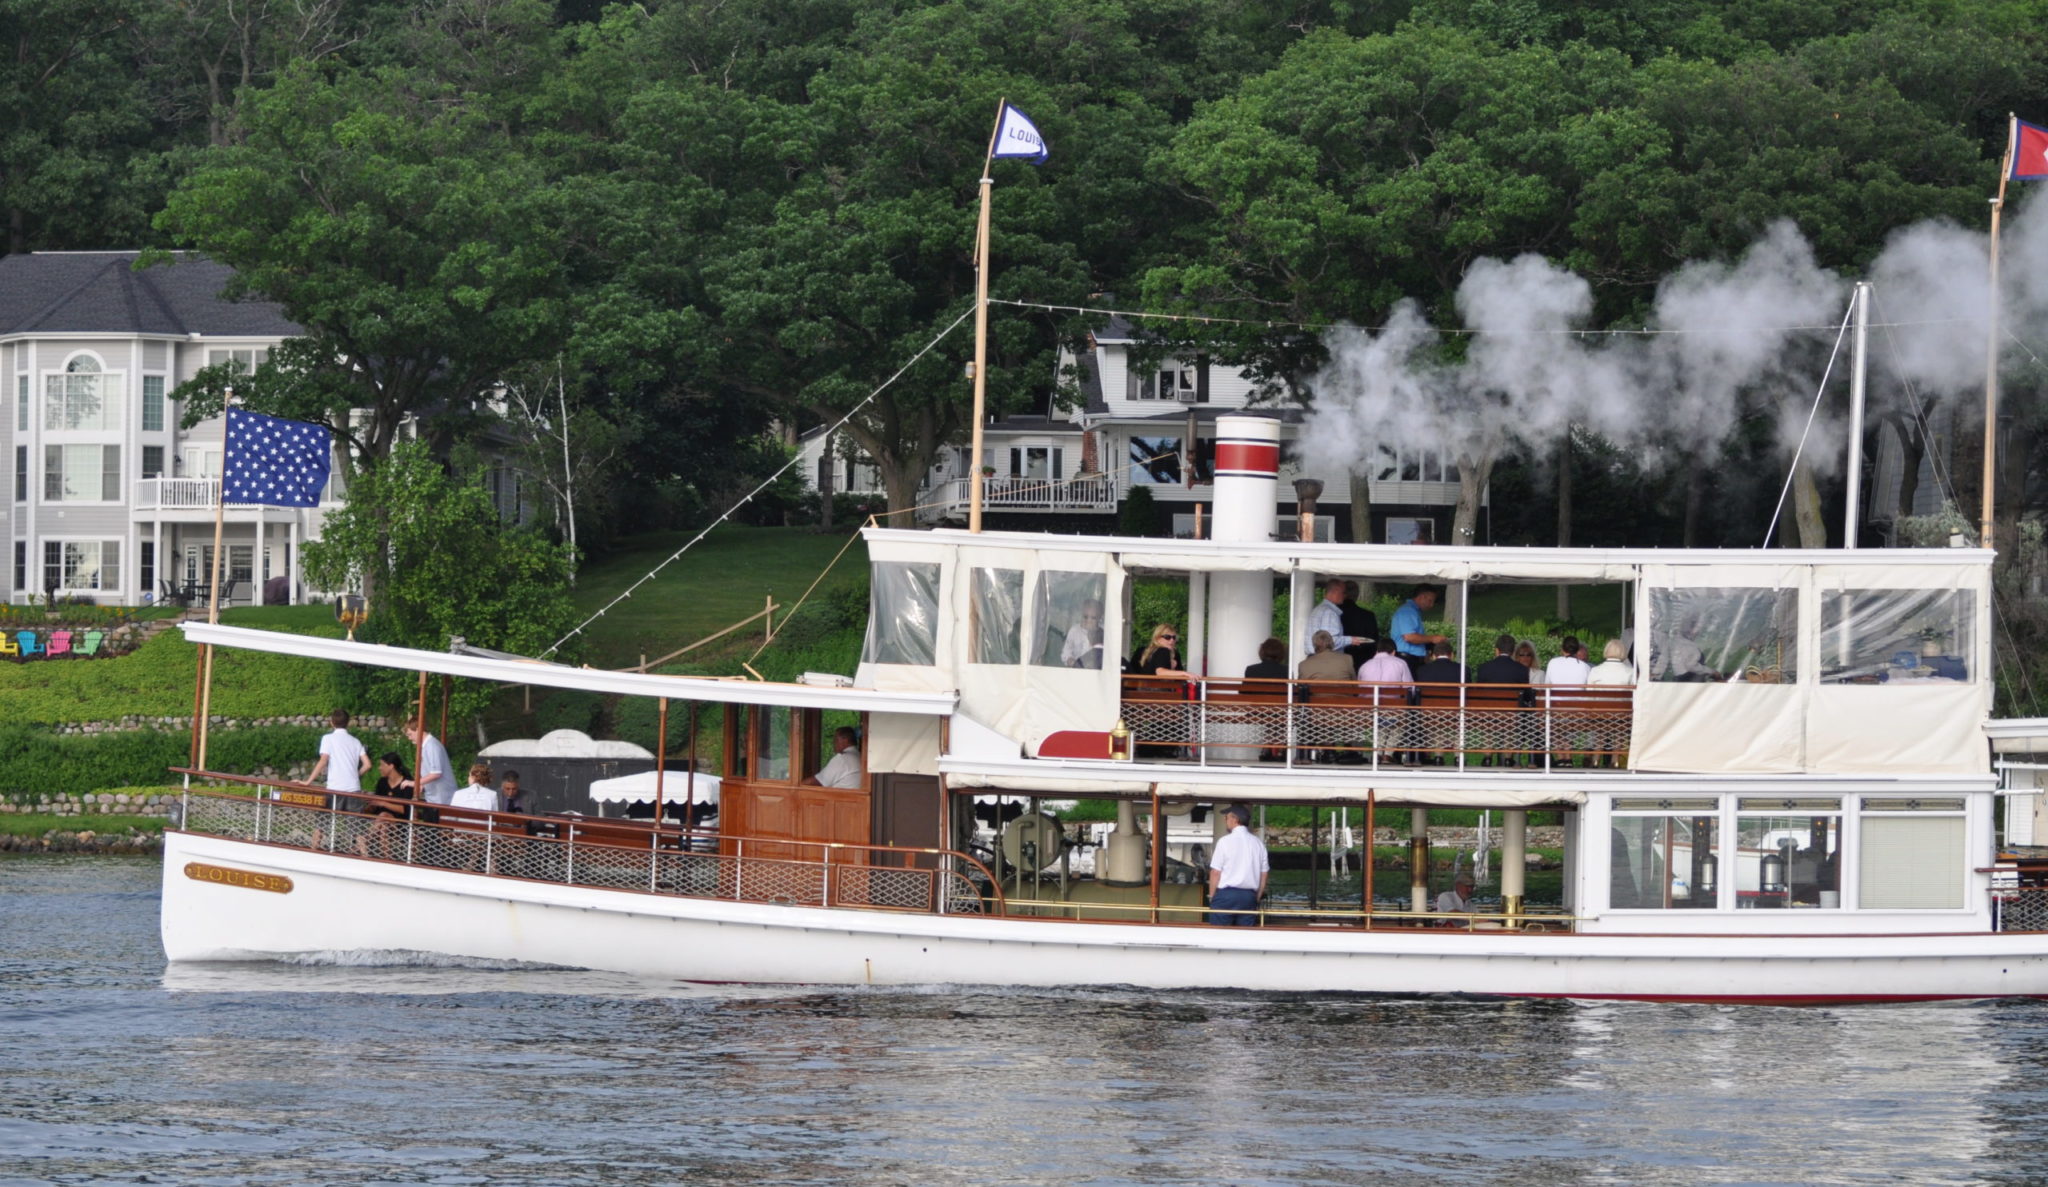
89, 643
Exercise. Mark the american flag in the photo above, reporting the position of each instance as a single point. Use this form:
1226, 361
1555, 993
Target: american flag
272, 460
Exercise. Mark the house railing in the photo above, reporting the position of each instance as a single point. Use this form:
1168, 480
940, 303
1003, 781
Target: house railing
173, 494
1086, 492
1222, 722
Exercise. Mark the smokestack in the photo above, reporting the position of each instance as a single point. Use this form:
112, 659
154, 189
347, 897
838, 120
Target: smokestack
1247, 503
1306, 492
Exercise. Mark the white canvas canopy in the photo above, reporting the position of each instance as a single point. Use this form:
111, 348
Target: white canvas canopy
676, 787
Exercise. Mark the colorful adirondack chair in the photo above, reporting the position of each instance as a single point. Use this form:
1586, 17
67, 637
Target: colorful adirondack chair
90, 643
29, 645
7, 645
60, 643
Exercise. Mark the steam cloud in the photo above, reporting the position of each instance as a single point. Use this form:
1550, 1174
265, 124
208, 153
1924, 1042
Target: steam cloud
1747, 337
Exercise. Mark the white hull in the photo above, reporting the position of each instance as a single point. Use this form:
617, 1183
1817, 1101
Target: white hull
341, 904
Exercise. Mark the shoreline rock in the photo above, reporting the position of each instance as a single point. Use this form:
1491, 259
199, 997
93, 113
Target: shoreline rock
59, 840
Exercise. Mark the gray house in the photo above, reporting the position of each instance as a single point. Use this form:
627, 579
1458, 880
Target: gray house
109, 498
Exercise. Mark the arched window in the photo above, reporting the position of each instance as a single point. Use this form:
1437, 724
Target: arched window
85, 397
84, 364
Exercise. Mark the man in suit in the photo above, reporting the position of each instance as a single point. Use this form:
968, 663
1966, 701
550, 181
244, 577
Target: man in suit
1441, 667
1503, 668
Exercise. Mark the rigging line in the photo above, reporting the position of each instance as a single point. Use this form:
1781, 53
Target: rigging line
1207, 319
764, 485
1793, 472
822, 573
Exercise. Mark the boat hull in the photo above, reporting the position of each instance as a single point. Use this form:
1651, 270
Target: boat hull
280, 902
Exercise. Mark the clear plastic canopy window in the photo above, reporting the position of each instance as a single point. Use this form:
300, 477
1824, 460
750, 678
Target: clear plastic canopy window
1896, 636
998, 616
903, 614
1068, 609
1706, 635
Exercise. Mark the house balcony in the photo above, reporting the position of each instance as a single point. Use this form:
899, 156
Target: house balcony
1086, 494
195, 498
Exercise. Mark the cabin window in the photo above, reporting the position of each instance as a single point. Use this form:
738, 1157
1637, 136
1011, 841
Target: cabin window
1703, 635
903, 614
1896, 636
998, 616
772, 760
1911, 854
1068, 610
1665, 854
1788, 852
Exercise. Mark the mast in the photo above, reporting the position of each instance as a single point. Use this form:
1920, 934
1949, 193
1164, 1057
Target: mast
1859, 370
1991, 343
981, 325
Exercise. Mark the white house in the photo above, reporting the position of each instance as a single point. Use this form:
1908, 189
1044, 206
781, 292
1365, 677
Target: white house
1151, 425
111, 499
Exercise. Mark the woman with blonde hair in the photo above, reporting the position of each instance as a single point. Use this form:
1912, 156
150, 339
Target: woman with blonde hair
1160, 657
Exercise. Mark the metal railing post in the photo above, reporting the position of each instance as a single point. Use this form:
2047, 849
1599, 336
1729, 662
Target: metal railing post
825, 880
1292, 734
653, 856
490, 850
411, 826
1201, 723
1548, 740
569, 858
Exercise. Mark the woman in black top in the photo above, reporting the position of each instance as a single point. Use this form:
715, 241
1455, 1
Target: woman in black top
1159, 657
394, 779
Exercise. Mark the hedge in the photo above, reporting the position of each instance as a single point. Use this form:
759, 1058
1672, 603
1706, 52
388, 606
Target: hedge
37, 762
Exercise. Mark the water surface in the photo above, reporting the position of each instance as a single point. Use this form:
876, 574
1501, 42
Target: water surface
117, 1070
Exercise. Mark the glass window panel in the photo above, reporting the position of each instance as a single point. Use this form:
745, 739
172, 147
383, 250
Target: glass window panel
774, 755
1663, 862
1385, 464
1432, 467
1155, 461
21, 473
1724, 634
1788, 861
903, 614
152, 403
1068, 610
1896, 636
21, 403
1411, 467
152, 461
81, 400
1911, 862
998, 616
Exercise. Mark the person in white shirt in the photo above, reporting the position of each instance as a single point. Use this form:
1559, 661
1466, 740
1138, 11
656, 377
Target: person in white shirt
1614, 667
437, 775
843, 768
1237, 873
343, 762
478, 792
1328, 615
1569, 668
1458, 897
1083, 648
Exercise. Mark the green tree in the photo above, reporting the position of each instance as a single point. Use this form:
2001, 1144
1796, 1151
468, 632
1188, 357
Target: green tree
435, 561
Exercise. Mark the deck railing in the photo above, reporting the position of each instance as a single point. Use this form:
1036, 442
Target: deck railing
1222, 722
612, 854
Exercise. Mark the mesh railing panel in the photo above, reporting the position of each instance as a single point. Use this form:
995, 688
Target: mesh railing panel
1225, 729
2026, 910
486, 848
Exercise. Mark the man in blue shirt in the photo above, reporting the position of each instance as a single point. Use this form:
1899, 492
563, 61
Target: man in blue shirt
1409, 639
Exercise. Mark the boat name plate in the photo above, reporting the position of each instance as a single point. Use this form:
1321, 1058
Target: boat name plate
229, 876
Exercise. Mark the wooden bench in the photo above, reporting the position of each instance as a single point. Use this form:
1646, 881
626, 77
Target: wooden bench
1601, 714
1475, 718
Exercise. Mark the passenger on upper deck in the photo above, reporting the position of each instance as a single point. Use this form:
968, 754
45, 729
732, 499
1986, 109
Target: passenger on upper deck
1328, 614
843, 768
343, 761
1360, 623
478, 793
1385, 667
1409, 639
1503, 668
1674, 656
1327, 663
1613, 667
1272, 663
1160, 657
1569, 668
1441, 668
1083, 648
1525, 655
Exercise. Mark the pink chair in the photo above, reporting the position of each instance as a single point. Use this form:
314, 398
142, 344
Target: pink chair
60, 643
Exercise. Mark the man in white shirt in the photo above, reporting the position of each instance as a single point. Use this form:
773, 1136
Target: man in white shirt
1570, 667
436, 781
1458, 897
1237, 873
343, 762
1328, 615
843, 769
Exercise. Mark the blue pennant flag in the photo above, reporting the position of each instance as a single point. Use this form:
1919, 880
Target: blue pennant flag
282, 463
1017, 137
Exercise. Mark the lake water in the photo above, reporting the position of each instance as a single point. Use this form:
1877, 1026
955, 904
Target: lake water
116, 1070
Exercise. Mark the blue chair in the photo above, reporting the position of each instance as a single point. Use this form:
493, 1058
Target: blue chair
29, 645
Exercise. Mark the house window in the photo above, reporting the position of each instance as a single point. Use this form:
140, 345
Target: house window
82, 564
152, 461
21, 403
81, 473
83, 398
20, 475
21, 564
245, 360
152, 403
147, 581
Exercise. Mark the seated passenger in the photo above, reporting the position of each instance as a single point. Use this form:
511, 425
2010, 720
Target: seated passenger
1326, 662
478, 792
1272, 663
1570, 667
1385, 667
1613, 667
1159, 657
1458, 897
1441, 667
843, 768
1083, 647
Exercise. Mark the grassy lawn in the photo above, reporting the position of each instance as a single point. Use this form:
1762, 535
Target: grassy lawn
1596, 609
714, 585
35, 825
